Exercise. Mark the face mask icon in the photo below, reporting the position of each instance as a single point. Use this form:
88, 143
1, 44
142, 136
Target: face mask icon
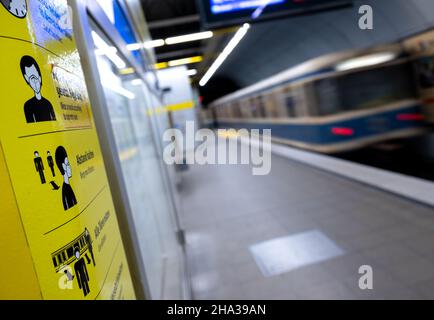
36, 109
35, 83
68, 196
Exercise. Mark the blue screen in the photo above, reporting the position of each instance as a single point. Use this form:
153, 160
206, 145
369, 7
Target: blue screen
225, 6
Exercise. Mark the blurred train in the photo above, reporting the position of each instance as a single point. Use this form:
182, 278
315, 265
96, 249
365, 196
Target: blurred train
335, 103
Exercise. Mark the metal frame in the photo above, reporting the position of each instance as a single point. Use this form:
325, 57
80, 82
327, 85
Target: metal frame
137, 19
83, 12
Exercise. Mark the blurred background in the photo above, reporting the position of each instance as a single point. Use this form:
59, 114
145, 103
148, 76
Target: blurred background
347, 89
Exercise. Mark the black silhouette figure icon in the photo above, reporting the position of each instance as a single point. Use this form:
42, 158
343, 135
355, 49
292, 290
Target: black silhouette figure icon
37, 109
81, 272
16, 7
51, 163
68, 196
54, 185
88, 240
39, 165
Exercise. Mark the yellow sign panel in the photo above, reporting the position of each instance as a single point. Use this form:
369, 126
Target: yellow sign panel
54, 159
21, 278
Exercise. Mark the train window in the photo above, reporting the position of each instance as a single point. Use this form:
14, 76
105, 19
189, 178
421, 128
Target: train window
253, 107
228, 111
290, 106
425, 72
269, 106
254, 104
327, 94
261, 106
222, 111
231, 110
236, 110
290, 103
280, 103
377, 87
246, 111
365, 89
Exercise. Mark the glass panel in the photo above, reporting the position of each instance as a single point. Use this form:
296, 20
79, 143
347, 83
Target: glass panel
128, 102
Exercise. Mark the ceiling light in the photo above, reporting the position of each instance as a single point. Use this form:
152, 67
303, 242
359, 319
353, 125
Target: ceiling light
184, 61
366, 61
192, 72
190, 37
147, 45
134, 46
108, 51
226, 52
154, 43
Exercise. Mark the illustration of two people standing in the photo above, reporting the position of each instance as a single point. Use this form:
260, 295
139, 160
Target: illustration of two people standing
39, 109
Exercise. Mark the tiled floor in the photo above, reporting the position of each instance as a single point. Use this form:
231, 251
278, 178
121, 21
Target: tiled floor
227, 210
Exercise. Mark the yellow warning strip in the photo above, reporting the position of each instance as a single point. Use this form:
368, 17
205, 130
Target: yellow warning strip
172, 107
180, 106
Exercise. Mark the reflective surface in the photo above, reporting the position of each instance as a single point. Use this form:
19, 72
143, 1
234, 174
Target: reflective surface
130, 108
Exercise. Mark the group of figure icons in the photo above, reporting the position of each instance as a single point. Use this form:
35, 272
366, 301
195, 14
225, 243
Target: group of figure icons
75, 267
61, 159
39, 109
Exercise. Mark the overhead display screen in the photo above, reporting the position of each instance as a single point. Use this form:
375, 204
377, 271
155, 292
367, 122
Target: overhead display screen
223, 6
222, 13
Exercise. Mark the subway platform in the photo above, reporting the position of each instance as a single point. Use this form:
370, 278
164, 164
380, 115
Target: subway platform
229, 215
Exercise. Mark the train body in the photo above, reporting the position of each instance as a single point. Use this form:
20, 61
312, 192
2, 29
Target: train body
334, 103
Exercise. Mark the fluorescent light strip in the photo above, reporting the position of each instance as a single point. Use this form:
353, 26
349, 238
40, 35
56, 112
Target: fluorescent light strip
226, 52
192, 72
366, 61
171, 40
102, 46
154, 43
189, 37
134, 46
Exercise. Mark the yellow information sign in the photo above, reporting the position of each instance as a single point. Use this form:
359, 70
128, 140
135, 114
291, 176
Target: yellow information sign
55, 169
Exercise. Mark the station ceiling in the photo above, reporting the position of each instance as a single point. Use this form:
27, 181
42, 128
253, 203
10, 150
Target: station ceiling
270, 47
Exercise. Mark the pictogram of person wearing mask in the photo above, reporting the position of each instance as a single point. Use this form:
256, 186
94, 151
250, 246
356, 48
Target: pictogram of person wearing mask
37, 109
16, 7
62, 162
